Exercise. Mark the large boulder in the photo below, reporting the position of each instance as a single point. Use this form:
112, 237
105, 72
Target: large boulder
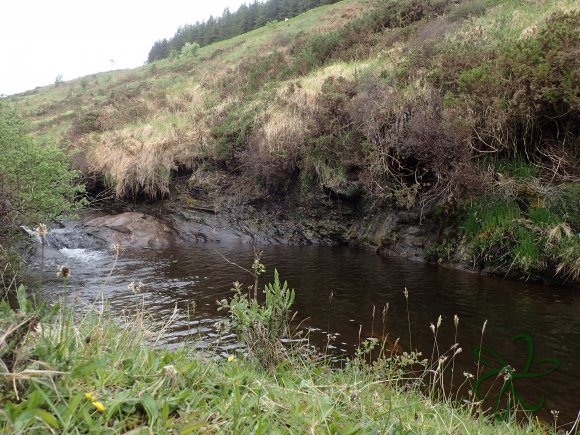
131, 230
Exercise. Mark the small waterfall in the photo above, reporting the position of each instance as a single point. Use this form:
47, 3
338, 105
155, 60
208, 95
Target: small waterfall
53, 239
31, 232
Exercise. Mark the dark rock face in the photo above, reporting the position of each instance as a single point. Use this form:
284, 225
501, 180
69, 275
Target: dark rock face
395, 232
319, 221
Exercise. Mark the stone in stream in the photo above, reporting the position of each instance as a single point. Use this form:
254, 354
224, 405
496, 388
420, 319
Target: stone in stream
131, 230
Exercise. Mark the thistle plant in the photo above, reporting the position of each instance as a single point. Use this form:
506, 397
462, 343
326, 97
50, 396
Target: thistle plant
64, 272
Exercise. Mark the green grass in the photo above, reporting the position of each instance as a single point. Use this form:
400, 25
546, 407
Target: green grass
520, 234
100, 373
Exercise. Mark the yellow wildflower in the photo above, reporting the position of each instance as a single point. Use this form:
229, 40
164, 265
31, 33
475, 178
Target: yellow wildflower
231, 358
100, 407
90, 396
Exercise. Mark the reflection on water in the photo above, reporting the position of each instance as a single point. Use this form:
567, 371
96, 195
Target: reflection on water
360, 282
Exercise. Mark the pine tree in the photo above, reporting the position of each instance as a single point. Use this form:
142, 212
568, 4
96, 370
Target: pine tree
228, 25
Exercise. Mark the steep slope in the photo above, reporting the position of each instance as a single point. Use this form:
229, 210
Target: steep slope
457, 119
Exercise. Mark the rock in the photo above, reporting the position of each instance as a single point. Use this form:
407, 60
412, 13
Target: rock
131, 230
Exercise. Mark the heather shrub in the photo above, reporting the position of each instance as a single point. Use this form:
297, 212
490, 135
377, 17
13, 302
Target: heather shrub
334, 150
524, 96
232, 130
85, 123
415, 141
466, 9
273, 151
434, 145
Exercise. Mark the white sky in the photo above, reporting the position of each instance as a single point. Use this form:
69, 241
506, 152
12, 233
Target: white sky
40, 39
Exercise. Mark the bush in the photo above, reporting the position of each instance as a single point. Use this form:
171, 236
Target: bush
85, 123
412, 140
189, 50
334, 148
261, 327
36, 177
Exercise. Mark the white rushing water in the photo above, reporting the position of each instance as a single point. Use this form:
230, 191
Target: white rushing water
84, 255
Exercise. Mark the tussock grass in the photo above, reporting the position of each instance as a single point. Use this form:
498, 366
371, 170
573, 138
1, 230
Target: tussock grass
141, 160
314, 81
282, 131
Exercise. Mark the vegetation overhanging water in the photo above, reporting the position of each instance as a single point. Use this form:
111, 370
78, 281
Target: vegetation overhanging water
337, 291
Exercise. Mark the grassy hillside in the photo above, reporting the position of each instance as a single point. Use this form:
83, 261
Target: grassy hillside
465, 111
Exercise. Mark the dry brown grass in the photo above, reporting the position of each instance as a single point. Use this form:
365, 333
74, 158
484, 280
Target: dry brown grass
142, 159
274, 147
341, 16
284, 130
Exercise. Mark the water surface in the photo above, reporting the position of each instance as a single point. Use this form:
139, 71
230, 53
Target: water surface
360, 282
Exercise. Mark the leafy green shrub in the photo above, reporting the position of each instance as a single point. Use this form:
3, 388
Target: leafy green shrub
261, 327
263, 69
189, 50
35, 176
36, 184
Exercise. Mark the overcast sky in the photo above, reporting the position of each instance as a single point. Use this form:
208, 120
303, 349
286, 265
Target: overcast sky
40, 39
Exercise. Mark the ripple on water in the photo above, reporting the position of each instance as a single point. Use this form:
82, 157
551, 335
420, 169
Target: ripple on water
193, 278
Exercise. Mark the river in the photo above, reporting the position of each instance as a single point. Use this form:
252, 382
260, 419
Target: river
360, 282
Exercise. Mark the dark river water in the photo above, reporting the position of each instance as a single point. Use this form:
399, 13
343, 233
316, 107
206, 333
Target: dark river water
360, 282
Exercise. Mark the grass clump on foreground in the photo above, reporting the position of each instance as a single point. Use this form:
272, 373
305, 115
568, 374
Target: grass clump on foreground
97, 373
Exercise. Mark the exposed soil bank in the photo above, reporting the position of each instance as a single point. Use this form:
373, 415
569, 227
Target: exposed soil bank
220, 209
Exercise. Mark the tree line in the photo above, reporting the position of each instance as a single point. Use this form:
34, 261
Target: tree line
248, 17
